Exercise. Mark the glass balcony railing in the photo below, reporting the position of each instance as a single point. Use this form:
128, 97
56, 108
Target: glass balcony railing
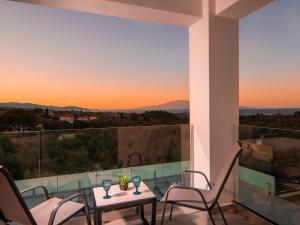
70, 160
66, 161
19, 152
270, 173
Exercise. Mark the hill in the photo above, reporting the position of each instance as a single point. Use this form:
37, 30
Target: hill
180, 105
33, 106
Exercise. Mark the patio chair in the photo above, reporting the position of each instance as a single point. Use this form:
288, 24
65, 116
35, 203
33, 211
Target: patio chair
203, 200
52, 211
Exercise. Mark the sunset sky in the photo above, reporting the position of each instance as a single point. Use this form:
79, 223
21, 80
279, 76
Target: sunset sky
56, 57
270, 56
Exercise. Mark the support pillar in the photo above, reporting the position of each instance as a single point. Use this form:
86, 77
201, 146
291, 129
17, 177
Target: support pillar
214, 92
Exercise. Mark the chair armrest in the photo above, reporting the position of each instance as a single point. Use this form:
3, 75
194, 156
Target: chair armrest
174, 187
198, 172
58, 205
46, 193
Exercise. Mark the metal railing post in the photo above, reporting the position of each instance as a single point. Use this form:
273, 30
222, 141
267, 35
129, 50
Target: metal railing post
40, 154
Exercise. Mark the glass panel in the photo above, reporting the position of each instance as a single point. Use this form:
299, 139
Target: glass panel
36, 196
73, 182
148, 172
19, 153
77, 151
66, 161
153, 145
113, 175
258, 179
173, 169
270, 172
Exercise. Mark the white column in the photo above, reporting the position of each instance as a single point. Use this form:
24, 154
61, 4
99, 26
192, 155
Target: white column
214, 91
199, 92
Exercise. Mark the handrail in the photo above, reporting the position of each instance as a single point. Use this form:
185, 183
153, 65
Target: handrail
149, 126
44, 189
270, 128
91, 129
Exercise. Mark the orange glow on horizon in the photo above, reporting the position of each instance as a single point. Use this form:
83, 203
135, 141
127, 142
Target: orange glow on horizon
86, 94
270, 91
261, 91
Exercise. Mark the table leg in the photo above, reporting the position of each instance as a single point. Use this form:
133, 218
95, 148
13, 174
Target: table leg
153, 219
97, 216
145, 222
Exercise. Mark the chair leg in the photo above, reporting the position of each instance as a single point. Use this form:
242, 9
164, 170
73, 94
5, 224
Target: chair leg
87, 215
3, 219
163, 215
222, 213
171, 211
211, 217
86, 210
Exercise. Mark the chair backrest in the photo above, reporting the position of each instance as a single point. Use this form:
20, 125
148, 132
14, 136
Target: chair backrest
12, 206
228, 165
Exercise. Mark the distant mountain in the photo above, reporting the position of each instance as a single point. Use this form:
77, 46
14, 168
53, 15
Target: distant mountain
171, 106
176, 105
33, 106
268, 111
245, 107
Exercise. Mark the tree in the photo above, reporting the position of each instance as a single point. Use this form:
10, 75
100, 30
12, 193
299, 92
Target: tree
47, 113
80, 152
133, 116
9, 159
19, 119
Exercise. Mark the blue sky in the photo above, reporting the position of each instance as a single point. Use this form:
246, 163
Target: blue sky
270, 56
270, 38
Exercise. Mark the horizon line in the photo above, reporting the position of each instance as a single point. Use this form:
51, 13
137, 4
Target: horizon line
140, 107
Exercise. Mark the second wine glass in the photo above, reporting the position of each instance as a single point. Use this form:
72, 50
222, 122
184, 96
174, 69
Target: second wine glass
136, 180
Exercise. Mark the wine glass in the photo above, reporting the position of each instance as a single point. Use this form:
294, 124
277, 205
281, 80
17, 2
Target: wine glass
106, 184
136, 180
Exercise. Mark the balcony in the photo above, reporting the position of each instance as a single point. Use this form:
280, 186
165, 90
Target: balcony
72, 160
68, 161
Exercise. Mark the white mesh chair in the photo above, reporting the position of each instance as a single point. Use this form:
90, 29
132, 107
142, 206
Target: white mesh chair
203, 200
52, 211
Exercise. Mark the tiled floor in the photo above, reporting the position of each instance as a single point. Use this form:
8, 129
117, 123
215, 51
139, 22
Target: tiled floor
182, 216
272, 207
